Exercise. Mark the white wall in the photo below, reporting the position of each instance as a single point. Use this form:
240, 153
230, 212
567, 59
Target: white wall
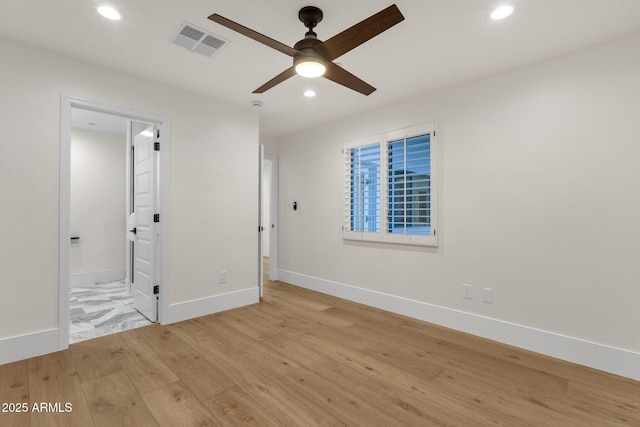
98, 201
540, 201
271, 144
208, 175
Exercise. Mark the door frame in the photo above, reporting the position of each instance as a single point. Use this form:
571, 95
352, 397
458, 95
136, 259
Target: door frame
273, 216
260, 224
271, 228
64, 236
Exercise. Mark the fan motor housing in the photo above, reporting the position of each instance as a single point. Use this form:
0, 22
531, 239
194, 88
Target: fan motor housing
307, 43
306, 49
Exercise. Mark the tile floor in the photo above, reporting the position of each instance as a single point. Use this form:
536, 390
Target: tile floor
101, 309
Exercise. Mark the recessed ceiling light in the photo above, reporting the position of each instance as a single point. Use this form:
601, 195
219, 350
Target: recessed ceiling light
109, 13
501, 12
309, 93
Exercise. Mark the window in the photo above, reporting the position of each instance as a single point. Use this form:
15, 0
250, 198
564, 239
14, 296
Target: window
390, 187
364, 208
409, 185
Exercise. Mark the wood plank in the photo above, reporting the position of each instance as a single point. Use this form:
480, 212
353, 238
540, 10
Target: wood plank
369, 341
383, 340
291, 299
289, 406
488, 397
620, 401
251, 350
407, 409
267, 315
348, 407
256, 369
253, 364
408, 395
257, 379
322, 317
507, 353
92, 360
352, 311
14, 392
54, 384
236, 407
143, 367
364, 315
420, 403
175, 405
114, 401
247, 322
363, 363
203, 378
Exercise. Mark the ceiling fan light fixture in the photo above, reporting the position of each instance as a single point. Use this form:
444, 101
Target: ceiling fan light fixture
310, 67
313, 57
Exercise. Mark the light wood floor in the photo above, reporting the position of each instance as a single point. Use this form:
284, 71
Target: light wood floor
300, 358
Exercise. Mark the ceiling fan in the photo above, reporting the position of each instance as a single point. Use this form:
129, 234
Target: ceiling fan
313, 57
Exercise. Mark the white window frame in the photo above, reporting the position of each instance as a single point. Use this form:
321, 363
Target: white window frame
383, 235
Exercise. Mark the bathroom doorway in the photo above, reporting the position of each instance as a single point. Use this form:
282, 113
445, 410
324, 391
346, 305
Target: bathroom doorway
111, 268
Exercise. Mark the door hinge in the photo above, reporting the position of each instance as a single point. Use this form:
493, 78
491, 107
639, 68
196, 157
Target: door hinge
156, 146
156, 217
156, 289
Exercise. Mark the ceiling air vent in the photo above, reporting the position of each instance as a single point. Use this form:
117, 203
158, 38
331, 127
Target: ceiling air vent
198, 40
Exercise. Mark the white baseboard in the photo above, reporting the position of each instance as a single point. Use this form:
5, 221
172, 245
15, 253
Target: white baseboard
23, 347
609, 359
82, 279
215, 304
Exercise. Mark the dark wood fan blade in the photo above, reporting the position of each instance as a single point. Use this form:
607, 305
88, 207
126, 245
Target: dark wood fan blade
353, 37
289, 72
337, 74
253, 35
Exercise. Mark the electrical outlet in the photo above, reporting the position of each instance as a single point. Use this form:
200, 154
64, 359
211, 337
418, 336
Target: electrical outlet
467, 291
487, 295
222, 277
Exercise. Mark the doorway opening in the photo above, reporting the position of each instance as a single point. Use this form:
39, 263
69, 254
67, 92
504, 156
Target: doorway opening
268, 251
112, 266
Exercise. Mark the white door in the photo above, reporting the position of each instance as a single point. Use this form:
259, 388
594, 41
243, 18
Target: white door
144, 205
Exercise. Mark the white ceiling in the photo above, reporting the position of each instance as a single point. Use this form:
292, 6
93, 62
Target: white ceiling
441, 43
98, 122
